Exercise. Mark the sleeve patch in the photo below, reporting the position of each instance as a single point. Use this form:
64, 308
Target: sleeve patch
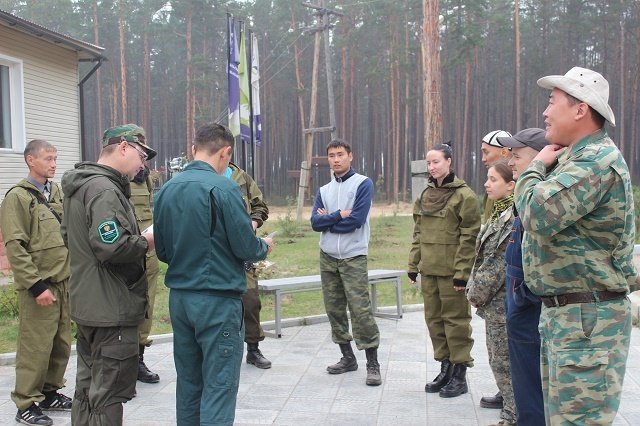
109, 232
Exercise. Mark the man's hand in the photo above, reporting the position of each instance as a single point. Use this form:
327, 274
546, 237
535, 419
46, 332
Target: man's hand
150, 241
345, 213
46, 298
269, 242
321, 211
549, 154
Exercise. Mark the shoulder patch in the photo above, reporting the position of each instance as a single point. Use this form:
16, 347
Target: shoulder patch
109, 232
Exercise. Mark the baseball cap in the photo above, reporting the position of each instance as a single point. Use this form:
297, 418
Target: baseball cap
586, 85
491, 138
129, 133
533, 138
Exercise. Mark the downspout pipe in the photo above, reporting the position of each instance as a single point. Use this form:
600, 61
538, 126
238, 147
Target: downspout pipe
83, 138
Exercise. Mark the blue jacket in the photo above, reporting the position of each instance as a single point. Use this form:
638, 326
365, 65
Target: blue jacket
203, 231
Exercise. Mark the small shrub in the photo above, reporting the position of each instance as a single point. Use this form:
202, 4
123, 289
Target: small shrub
287, 226
8, 301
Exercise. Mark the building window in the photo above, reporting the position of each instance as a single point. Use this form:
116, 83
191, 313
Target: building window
12, 134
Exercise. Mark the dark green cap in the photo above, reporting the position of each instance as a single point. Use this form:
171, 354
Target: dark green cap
129, 133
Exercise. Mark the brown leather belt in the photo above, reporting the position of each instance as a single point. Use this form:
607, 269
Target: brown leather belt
586, 297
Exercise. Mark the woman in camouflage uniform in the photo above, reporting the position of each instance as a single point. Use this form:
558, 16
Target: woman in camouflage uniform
447, 221
486, 287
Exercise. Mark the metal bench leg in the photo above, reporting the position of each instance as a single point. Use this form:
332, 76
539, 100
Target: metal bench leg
399, 296
374, 298
278, 314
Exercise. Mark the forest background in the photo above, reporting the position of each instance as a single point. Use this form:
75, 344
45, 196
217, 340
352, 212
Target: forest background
166, 70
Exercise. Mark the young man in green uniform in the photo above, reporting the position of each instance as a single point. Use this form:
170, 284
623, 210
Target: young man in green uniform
259, 212
30, 221
108, 285
204, 234
576, 204
141, 193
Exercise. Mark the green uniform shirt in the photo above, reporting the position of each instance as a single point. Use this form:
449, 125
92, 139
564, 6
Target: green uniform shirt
579, 220
31, 232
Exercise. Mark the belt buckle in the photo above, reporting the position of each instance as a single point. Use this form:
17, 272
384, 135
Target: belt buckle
561, 300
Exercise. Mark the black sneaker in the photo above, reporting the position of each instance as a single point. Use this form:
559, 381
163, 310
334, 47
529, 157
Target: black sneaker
33, 416
55, 401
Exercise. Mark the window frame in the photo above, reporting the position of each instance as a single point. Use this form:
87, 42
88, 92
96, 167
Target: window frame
16, 102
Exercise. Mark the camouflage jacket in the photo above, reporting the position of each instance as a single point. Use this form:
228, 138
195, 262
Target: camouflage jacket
486, 286
578, 220
251, 195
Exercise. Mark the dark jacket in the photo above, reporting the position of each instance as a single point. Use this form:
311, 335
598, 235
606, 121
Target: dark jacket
108, 284
203, 231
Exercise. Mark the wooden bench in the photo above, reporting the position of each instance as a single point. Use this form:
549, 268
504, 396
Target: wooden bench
281, 286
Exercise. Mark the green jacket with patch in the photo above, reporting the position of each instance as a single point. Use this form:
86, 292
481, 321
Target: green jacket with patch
446, 224
32, 236
108, 284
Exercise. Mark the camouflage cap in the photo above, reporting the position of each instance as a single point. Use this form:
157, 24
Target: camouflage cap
129, 133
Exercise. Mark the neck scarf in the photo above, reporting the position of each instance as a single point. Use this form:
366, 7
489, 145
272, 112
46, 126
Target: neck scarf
500, 206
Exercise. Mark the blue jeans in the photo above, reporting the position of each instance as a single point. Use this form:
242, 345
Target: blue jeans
523, 316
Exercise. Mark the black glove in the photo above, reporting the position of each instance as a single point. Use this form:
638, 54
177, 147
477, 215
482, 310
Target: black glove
459, 283
413, 276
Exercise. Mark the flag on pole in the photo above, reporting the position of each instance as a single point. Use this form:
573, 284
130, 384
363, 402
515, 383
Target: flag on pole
255, 91
232, 70
243, 75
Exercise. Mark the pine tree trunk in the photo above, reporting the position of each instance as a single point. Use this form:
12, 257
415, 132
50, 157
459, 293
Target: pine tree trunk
189, 95
431, 74
123, 62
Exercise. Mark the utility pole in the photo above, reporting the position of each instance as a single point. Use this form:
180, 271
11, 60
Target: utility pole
322, 13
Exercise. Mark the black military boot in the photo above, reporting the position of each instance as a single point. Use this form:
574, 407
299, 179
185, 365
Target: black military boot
373, 367
496, 401
348, 361
446, 368
457, 384
144, 374
255, 357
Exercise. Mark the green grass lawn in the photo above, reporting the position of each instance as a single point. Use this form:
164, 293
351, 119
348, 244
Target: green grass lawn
296, 253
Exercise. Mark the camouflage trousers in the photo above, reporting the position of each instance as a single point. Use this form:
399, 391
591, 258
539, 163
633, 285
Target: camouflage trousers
498, 349
583, 361
345, 283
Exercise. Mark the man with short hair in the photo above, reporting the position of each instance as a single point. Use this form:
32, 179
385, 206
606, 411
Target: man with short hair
108, 285
341, 213
30, 221
204, 233
259, 212
578, 251
522, 308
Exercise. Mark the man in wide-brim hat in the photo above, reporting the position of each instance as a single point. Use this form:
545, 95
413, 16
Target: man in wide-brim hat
576, 204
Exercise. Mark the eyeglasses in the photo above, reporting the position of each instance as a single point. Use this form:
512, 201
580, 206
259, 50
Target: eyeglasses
143, 155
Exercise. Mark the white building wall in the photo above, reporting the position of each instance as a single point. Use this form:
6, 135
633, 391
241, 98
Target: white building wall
51, 104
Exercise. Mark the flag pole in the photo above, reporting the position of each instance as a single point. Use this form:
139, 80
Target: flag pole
251, 130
